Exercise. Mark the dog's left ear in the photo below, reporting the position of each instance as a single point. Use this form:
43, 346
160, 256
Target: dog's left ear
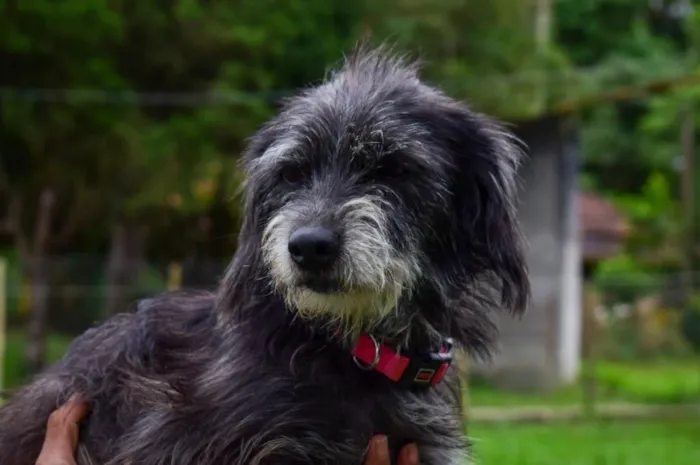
488, 240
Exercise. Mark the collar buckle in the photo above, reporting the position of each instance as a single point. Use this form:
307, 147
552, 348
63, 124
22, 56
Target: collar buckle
375, 359
428, 369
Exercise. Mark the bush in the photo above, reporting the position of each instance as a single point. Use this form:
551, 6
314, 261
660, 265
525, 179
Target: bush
690, 322
623, 279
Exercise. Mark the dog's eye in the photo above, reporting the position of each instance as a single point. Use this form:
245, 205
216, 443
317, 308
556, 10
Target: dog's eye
391, 170
292, 174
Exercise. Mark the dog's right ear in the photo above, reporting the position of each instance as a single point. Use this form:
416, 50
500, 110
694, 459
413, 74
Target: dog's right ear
486, 194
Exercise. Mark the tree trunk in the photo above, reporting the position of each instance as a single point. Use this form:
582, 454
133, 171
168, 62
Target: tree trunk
543, 24
33, 250
197, 262
3, 319
39, 283
689, 199
36, 270
125, 259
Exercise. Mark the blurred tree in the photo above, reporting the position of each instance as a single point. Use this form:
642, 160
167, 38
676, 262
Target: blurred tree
632, 149
122, 166
49, 45
181, 158
490, 53
101, 168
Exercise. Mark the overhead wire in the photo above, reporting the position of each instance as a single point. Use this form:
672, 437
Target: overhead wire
237, 97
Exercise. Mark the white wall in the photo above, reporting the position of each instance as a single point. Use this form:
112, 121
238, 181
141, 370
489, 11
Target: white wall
542, 350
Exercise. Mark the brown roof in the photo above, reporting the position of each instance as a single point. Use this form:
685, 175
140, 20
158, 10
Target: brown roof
600, 216
603, 227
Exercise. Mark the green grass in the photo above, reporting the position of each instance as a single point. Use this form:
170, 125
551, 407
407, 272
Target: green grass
655, 382
662, 382
482, 394
590, 443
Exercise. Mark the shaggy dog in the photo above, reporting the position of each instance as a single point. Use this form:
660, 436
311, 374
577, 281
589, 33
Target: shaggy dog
380, 228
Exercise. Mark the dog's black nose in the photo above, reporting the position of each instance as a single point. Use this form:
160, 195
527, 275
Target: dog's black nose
314, 249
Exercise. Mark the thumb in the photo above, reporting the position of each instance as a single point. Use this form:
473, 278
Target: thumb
61, 438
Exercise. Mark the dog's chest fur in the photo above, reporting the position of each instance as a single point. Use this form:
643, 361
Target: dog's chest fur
254, 395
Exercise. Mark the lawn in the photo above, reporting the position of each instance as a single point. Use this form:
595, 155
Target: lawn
657, 382
675, 442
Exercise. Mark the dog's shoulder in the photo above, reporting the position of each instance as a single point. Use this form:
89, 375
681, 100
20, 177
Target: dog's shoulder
178, 303
163, 315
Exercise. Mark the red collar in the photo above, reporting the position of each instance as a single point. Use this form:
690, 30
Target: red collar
417, 370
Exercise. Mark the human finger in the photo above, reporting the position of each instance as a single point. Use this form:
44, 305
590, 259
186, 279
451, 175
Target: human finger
75, 410
378, 453
409, 455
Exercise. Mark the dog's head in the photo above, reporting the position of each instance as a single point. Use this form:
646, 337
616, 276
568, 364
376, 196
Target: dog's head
373, 193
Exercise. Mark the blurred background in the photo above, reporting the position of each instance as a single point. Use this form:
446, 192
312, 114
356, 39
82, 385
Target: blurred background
121, 123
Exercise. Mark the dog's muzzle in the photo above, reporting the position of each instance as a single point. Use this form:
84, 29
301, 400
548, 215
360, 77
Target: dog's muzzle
337, 261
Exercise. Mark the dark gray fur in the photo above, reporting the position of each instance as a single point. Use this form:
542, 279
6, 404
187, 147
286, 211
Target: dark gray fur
237, 377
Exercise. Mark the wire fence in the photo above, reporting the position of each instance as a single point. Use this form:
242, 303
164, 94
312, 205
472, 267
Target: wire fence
623, 333
571, 81
639, 381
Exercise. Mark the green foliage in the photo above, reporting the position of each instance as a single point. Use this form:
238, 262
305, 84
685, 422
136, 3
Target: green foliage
597, 29
632, 149
14, 368
623, 279
485, 52
12, 283
111, 159
656, 216
656, 202
124, 162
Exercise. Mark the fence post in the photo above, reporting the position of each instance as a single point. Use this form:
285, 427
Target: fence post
591, 340
174, 276
3, 311
688, 191
464, 400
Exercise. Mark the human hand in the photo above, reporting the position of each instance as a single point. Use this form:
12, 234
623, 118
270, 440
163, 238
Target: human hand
378, 453
61, 438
